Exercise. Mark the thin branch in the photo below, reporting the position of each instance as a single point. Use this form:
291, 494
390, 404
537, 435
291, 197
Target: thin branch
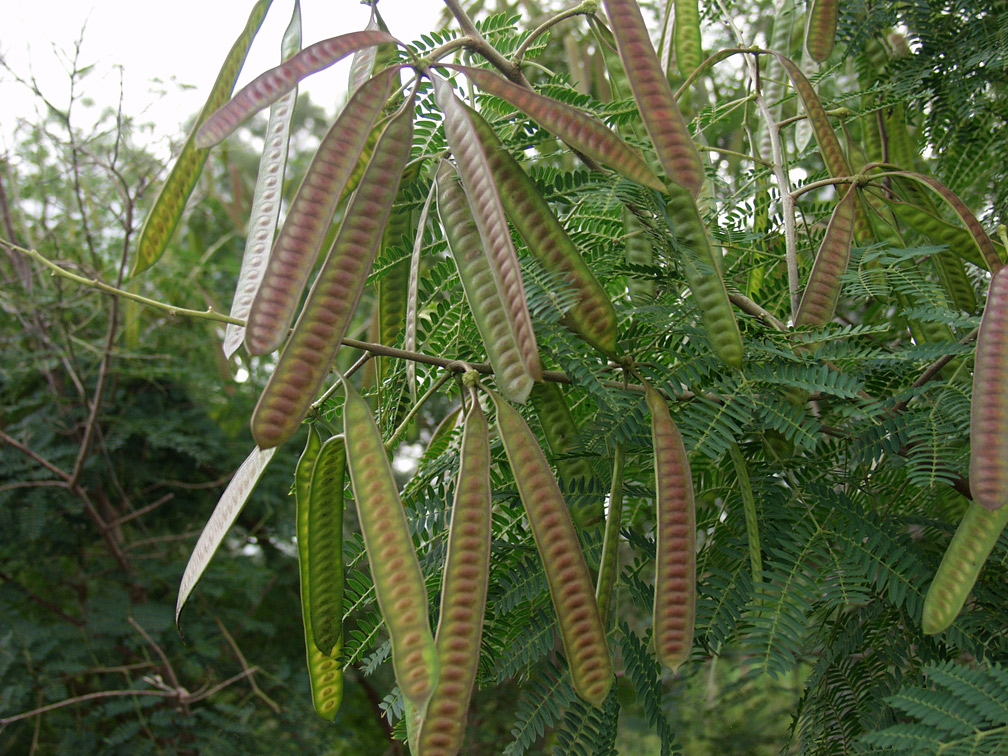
37, 457
478, 43
582, 9
41, 601
245, 666
230, 681
748, 306
81, 699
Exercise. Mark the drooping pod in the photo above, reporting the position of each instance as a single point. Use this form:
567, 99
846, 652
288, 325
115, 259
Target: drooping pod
703, 275
639, 253
311, 212
510, 371
688, 43
592, 315
581, 131
165, 213
965, 555
325, 673
818, 302
312, 347
989, 407
463, 592
655, 101
488, 212
325, 546
675, 538
567, 574
609, 563
399, 583
820, 33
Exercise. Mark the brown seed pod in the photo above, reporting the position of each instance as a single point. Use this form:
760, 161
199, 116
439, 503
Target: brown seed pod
989, 413
820, 33
675, 538
819, 300
567, 574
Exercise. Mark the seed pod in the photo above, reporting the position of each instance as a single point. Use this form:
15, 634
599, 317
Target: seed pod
639, 252
989, 408
958, 239
819, 300
165, 213
300, 239
312, 347
485, 203
325, 547
688, 44
675, 539
655, 101
609, 563
581, 131
820, 33
592, 315
477, 278
704, 277
325, 673
463, 593
399, 584
969, 548
567, 574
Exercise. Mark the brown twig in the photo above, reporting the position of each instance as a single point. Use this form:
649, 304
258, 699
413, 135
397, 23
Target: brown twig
245, 666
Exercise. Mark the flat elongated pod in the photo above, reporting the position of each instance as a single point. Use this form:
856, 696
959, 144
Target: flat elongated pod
688, 44
325, 673
820, 33
655, 101
639, 253
965, 555
989, 408
581, 131
325, 546
463, 593
399, 584
311, 212
703, 275
266, 198
818, 302
510, 371
558, 426
609, 563
164, 215
310, 351
675, 539
488, 212
567, 574
958, 239
221, 519
592, 315
270, 86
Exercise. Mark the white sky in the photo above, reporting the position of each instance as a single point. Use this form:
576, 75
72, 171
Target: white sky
184, 40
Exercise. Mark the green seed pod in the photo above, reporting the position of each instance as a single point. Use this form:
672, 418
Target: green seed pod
704, 277
819, 300
688, 44
969, 548
312, 347
592, 315
399, 583
567, 574
325, 547
675, 539
325, 673
820, 33
989, 408
463, 593
655, 101
639, 252
609, 564
510, 371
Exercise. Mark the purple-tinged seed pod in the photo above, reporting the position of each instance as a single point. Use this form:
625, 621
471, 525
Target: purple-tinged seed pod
989, 407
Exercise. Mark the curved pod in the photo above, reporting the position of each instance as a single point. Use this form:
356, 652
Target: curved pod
592, 316
311, 212
567, 574
325, 673
496, 331
704, 277
399, 584
969, 548
819, 300
309, 353
989, 406
463, 593
675, 539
